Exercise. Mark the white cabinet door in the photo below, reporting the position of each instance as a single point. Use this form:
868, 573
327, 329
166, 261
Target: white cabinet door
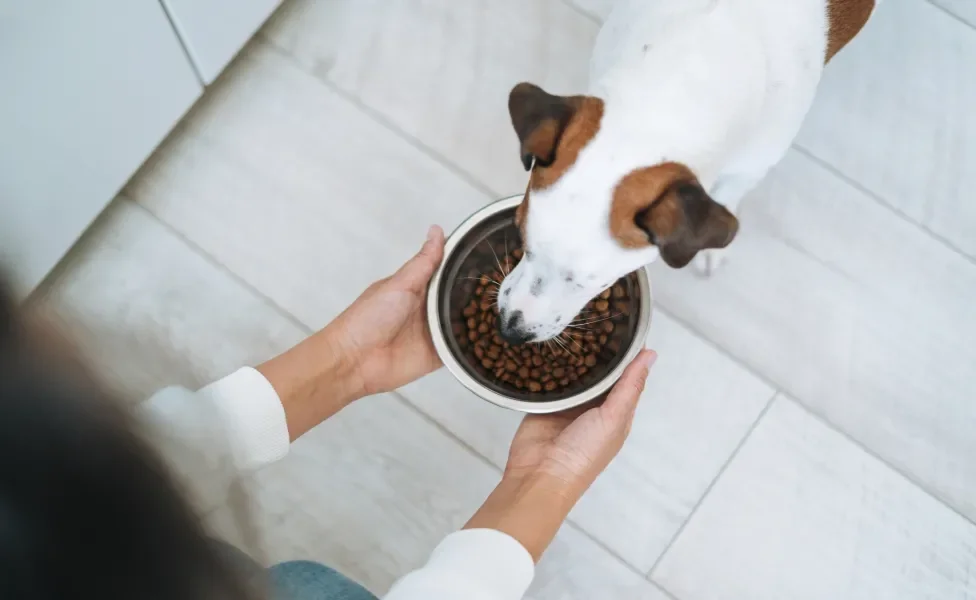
88, 88
214, 30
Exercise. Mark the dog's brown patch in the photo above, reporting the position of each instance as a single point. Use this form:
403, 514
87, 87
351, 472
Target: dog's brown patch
637, 191
665, 206
552, 130
847, 18
581, 128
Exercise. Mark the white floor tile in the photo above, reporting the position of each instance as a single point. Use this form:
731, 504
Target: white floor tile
801, 513
441, 70
295, 190
894, 113
698, 405
148, 311
856, 313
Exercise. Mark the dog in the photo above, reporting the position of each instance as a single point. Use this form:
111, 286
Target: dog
691, 103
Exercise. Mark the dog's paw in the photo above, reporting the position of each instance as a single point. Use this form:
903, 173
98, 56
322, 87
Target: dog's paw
709, 261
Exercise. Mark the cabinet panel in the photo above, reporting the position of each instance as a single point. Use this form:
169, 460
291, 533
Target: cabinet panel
87, 91
214, 30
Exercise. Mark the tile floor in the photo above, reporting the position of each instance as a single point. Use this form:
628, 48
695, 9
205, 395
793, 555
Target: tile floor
810, 429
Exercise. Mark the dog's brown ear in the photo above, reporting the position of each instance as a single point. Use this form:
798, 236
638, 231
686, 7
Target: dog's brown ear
666, 206
539, 119
702, 223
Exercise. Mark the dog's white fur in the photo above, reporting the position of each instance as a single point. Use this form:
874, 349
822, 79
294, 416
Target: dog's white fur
721, 86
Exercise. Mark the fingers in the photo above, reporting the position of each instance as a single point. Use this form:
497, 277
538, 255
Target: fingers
622, 401
416, 273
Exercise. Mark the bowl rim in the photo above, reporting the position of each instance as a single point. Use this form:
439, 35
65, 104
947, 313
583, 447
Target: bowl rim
439, 330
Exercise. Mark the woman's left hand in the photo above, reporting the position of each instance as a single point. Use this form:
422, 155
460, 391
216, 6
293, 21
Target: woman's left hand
384, 334
379, 343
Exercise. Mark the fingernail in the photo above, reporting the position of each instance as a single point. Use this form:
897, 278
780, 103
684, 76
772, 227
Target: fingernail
431, 233
650, 357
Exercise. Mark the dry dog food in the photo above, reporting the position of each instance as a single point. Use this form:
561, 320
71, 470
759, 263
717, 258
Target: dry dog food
582, 354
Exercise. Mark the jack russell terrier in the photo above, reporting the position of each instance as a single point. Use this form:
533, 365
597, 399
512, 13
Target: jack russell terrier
691, 103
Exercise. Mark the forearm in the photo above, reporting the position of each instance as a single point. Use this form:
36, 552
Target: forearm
530, 509
314, 381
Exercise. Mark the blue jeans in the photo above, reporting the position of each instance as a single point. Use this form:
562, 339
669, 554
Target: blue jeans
306, 580
294, 580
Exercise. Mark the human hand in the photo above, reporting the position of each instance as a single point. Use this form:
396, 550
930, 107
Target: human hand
384, 335
378, 344
575, 446
555, 458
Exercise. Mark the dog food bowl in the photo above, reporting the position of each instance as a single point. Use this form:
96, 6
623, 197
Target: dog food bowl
442, 310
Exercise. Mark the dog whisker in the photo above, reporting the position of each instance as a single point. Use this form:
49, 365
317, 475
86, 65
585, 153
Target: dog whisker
577, 345
478, 279
497, 262
562, 344
613, 316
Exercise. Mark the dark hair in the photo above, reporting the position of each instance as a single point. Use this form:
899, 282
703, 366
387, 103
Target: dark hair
87, 509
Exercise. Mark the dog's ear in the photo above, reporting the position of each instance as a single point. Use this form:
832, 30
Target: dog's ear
539, 119
666, 206
700, 223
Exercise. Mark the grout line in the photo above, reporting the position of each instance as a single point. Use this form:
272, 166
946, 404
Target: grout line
664, 591
952, 14
599, 544
382, 120
701, 500
877, 198
196, 248
585, 13
819, 417
906, 476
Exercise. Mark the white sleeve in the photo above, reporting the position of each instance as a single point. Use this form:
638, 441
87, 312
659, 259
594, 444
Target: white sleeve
474, 564
209, 437
238, 424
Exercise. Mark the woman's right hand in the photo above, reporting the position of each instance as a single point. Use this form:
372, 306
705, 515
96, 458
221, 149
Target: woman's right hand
555, 458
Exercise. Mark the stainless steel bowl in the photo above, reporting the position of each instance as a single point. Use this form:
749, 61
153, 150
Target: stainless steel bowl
469, 234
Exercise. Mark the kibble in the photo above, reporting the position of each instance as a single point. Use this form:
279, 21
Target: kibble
582, 354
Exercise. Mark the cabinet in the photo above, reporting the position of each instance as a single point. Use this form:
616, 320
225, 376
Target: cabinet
214, 30
87, 91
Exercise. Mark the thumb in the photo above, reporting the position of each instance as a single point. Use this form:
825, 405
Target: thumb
622, 401
416, 273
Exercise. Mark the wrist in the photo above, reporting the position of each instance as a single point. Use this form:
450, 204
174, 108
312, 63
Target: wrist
528, 507
314, 380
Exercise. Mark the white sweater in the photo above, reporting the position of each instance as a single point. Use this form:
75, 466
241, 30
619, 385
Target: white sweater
237, 424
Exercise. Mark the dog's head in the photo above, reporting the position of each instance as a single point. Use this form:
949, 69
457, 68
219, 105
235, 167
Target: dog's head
593, 212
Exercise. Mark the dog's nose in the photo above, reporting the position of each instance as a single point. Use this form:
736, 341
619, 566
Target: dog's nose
511, 328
